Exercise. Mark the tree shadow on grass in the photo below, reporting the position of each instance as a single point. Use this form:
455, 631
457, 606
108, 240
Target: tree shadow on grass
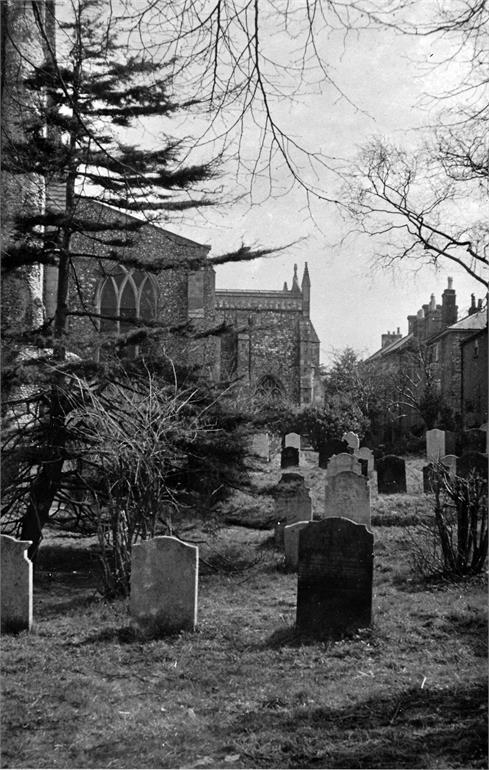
412, 729
290, 636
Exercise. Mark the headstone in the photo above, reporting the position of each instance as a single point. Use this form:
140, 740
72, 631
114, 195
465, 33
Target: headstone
472, 462
16, 584
334, 587
292, 503
331, 447
450, 462
291, 544
289, 457
450, 442
391, 475
260, 446
366, 454
343, 462
348, 496
435, 444
351, 439
292, 439
164, 582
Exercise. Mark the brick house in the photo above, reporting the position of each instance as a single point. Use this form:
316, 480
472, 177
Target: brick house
474, 375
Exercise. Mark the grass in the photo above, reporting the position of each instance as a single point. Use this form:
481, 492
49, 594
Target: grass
83, 690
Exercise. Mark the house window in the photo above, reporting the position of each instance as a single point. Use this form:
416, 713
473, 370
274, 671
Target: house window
436, 352
476, 348
126, 294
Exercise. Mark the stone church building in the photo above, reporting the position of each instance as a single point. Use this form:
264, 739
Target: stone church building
266, 344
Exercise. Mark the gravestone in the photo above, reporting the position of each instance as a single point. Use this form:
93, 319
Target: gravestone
391, 475
291, 544
450, 442
364, 454
472, 462
16, 585
351, 440
292, 503
260, 446
292, 439
450, 462
348, 496
435, 444
331, 447
343, 462
334, 587
164, 583
289, 457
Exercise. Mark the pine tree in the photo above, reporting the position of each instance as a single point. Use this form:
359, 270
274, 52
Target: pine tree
83, 97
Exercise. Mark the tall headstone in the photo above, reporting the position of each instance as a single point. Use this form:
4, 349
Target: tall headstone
364, 454
289, 457
291, 544
16, 585
334, 587
292, 439
435, 444
292, 503
472, 462
164, 585
260, 446
351, 440
348, 496
329, 448
343, 462
391, 475
450, 462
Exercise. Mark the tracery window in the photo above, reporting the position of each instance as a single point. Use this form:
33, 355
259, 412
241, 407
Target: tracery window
270, 388
126, 294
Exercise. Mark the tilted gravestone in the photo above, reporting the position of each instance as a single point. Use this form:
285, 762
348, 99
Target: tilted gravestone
16, 585
164, 584
365, 455
292, 503
291, 544
435, 444
331, 447
450, 463
343, 462
351, 439
348, 496
289, 457
334, 587
391, 475
260, 446
472, 462
292, 439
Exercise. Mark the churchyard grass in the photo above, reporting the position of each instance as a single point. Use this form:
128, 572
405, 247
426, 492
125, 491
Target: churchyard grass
83, 690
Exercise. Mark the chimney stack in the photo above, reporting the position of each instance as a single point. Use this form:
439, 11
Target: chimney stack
449, 310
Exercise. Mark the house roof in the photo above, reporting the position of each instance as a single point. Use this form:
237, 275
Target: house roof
471, 323
393, 347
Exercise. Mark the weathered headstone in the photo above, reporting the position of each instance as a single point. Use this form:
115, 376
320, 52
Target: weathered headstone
16, 584
348, 496
450, 462
472, 462
164, 584
331, 447
289, 457
351, 439
391, 475
435, 444
366, 454
292, 503
291, 544
343, 462
260, 446
292, 439
334, 587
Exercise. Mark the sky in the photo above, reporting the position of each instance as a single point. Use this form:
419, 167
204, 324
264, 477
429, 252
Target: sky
386, 79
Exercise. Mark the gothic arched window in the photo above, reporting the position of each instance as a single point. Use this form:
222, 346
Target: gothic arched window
270, 388
126, 294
